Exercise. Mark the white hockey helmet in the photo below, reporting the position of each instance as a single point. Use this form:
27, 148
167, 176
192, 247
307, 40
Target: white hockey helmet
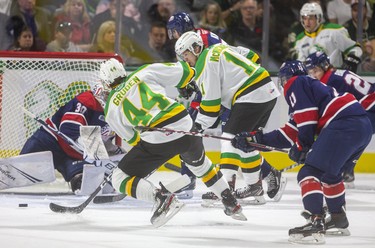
111, 73
312, 9
187, 42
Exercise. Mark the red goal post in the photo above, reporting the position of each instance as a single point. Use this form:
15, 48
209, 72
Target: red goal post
40, 82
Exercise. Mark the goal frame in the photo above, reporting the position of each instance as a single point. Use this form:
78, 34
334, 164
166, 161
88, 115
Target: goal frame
7, 114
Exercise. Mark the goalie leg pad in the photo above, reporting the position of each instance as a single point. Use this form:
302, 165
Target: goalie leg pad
26, 170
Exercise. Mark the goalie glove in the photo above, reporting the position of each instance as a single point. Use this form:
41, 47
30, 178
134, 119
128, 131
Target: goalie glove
188, 90
241, 140
351, 62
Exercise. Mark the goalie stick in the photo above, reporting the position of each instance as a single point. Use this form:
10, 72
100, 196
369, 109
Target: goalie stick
167, 130
68, 140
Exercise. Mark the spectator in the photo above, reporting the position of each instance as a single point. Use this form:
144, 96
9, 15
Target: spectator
213, 21
131, 24
37, 18
351, 25
229, 9
62, 43
339, 11
75, 12
161, 11
331, 38
246, 30
369, 62
24, 41
158, 48
6, 37
105, 41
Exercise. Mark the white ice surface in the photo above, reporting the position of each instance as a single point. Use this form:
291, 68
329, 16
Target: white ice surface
127, 223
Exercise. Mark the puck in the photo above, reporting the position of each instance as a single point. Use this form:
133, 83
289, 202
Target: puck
23, 205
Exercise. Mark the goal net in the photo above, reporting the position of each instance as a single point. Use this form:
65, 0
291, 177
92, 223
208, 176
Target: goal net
41, 83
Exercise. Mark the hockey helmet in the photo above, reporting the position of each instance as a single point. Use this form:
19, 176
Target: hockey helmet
111, 73
317, 59
180, 22
188, 42
289, 69
312, 9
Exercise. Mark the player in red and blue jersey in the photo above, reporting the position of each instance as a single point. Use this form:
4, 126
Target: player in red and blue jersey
318, 66
331, 130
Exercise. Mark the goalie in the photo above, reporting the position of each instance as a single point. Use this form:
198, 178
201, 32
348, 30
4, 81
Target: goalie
86, 109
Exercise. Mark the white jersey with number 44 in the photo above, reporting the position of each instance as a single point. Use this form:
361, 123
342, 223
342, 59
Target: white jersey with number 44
141, 101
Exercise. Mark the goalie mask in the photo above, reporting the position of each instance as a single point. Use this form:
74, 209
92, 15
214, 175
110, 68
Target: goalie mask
189, 41
112, 73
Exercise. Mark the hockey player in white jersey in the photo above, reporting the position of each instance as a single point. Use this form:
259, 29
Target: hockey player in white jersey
331, 38
227, 78
139, 99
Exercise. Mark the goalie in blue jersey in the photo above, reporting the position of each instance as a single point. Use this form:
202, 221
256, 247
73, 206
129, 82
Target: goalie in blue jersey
84, 109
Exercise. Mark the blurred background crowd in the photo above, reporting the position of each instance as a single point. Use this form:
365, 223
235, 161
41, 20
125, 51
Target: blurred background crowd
91, 26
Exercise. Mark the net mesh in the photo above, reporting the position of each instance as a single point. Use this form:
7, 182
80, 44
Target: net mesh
41, 85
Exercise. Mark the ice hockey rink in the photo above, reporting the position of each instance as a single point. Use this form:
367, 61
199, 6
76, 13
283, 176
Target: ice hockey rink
127, 223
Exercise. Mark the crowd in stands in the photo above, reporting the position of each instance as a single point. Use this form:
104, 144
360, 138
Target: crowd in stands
90, 26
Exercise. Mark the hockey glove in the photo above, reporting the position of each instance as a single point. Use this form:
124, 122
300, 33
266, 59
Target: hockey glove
351, 62
241, 140
298, 155
188, 90
197, 128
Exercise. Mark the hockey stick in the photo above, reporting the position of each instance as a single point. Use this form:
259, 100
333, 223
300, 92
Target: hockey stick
61, 209
290, 167
167, 130
78, 209
68, 140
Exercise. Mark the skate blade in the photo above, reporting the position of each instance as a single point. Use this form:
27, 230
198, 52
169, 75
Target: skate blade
165, 217
211, 204
279, 194
187, 194
239, 216
314, 239
338, 232
258, 200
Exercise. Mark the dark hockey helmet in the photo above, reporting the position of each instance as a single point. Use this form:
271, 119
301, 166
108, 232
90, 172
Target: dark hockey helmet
289, 69
180, 22
317, 59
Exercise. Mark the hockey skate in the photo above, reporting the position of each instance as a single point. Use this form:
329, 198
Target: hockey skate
348, 177
167, 206
187, 192
254, 191
311, 233
210, 200
232, 207
276, 183
336, 224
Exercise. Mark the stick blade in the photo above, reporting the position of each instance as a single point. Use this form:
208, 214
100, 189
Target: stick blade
100, 199
62, 209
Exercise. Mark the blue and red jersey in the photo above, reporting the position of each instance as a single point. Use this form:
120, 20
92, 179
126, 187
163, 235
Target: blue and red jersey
312, 107
347, 81
82, 110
